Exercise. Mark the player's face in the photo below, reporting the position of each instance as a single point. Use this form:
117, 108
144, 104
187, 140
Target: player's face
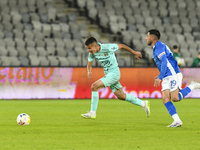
198, 56
148, 39
176, 50
92, 48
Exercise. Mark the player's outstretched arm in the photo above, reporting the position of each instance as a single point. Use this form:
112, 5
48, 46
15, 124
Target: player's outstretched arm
89, 69
137, 54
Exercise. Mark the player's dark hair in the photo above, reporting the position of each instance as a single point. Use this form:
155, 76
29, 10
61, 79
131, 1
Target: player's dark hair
175, 47
155, 32
90, 40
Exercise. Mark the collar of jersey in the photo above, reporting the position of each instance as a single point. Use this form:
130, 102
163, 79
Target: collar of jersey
155, 44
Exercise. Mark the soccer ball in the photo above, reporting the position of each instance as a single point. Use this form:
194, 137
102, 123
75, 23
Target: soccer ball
23, 119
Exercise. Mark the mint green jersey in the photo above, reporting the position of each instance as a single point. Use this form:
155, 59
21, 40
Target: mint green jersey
106, 56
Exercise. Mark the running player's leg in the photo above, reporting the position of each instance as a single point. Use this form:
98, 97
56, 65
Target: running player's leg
94, 100
171, 109
184, 92
107, 80
180, 93
117, 90
170, 85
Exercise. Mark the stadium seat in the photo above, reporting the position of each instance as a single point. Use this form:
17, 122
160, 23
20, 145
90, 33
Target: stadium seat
32, 51
9, 42
49, 42
19, 42
22, 52
188, 61
81, 4
27, 26
79, 51
71, 53
73, 61
24, 61
63, 61
34, 61
5, 61
14, 61
59, 43
51, 14
44, 62
34, 16
53, 61
22, 3
8, 34
28, 35
51, 51
61, 52
40, 43
41, 51
3, 51
12, 51
69, 44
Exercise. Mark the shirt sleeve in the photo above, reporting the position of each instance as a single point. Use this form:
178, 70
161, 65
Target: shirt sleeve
162, 57
112, 47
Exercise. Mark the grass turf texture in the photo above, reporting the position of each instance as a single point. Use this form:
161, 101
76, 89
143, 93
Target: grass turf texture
56, 124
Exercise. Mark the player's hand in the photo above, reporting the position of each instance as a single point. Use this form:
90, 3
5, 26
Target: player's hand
138, 55
89, 75
156, 77
157, 82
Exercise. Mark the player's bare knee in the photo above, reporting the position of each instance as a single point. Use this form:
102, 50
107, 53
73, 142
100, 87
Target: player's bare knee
94, 87
175, 99
165, 101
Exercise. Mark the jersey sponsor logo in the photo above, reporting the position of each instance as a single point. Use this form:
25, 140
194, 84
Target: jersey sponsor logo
161, 54
105, 54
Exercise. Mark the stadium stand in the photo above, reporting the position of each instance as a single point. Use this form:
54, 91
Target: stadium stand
52, 32
131, 19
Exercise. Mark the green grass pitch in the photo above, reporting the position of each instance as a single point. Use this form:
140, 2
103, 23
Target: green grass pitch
57, 125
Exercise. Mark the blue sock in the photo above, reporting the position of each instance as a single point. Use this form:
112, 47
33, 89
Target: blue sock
94, 100
171, 108
182, 93
134, 100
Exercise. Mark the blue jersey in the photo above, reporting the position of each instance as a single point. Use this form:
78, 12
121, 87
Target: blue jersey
106, 56
164, 60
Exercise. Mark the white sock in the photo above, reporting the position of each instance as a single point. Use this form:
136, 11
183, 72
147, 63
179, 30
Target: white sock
191, 87
176, 118
143, 104
94, 112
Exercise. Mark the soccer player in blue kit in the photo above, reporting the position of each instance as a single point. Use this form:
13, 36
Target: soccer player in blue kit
105, 55
170, 75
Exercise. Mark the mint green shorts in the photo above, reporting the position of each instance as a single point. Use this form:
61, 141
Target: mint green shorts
111, 79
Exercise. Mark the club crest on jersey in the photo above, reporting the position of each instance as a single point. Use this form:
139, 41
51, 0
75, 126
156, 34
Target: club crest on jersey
105, 54
161, 54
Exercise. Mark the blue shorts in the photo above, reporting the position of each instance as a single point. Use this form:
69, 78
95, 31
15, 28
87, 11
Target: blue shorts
111, 79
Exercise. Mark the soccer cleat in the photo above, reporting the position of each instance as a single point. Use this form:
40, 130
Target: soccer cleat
89, 115
195, 84
175, 124
147, 108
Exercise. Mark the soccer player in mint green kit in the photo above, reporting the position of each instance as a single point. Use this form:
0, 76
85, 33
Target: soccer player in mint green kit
105, 55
